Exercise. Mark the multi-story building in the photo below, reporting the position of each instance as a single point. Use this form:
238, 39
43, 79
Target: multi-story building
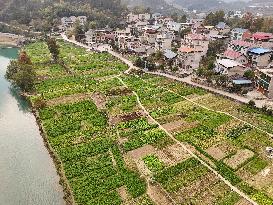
240, 34
259, 57
264, 81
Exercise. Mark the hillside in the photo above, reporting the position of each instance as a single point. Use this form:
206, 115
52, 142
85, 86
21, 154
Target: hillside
155, 5
208, 5
28, 12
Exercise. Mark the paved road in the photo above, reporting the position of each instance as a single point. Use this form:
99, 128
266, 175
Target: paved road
126, 61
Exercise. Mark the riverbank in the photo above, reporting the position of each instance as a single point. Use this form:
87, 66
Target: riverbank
27, 174
8, 45
68, 195
10, 40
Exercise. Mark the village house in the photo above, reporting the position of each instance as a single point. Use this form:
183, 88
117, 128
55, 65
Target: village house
188, 59
124, 32
236, 14
240, 46
198, 28
138, 17
156, 16
240, 34
150, 36
163, 42
229, 67
169, 55
262, 37
236, 56
260, 57
140, 25
264, 81
222, 28
197, 41
68, 22
99, 36
174, 26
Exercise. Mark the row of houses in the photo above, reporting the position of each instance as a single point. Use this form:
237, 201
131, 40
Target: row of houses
146, 34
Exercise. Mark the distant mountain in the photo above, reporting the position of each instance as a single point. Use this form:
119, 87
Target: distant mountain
208, 5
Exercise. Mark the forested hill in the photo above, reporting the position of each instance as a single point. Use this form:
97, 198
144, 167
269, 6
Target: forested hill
44, 12
154, 5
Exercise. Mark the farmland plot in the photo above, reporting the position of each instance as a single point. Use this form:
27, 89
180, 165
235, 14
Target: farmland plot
113, 153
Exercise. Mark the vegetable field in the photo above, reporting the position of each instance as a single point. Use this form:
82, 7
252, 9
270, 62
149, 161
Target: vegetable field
113, 153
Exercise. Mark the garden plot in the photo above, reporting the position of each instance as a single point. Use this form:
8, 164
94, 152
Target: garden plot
142, 200
221, 150
190, 192
69, 99
99, 100
263, 180
101, 160
175, 125
243, 202
172, 154
138, 154
159, 195
239, 158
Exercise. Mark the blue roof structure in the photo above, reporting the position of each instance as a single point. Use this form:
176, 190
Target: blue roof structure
242, 82
259, 51
239, 30
169, 54
221, 25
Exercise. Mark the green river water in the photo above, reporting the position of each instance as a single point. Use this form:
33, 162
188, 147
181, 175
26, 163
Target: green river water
27, 173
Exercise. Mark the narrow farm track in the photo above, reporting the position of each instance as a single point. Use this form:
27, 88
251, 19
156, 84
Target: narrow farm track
233, 188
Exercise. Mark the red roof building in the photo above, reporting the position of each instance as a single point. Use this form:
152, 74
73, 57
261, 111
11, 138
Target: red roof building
261, 36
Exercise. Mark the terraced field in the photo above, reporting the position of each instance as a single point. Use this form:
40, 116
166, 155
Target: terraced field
112, 152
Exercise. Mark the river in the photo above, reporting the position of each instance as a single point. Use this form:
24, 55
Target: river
27, 173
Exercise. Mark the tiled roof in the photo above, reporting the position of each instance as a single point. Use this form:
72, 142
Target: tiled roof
241, 43
185, 49
194, 36
262, 36
232, 54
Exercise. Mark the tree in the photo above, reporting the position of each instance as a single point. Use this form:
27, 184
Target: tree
184, 32
249, 74
214, 18
78, 31
21, 73
183, 19
53, 48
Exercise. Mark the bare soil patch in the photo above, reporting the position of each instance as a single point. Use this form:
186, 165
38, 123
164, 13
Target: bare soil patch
158, 195
131, 116
123, 193
173, 154
114, 120
120, 91
171, 126
243, 201
69, 99
142, 152
99, 99
220, 151
193, 190
263, 180
137, 156
239, 158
